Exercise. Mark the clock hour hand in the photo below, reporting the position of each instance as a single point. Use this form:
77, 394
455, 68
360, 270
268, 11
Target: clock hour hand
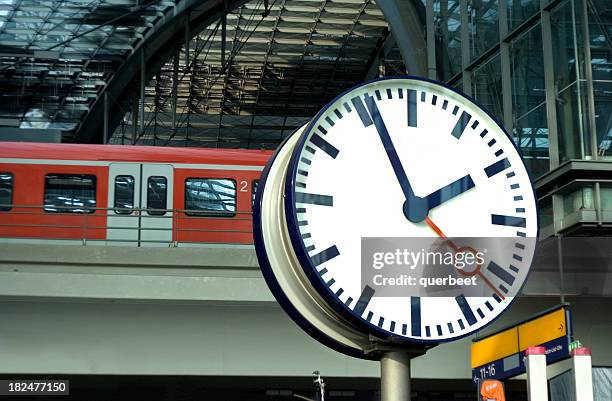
415, 208
449, 191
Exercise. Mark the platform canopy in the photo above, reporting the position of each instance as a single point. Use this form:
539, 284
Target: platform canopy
220, 73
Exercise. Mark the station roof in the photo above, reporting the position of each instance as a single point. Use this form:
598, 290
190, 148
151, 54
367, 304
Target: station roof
248, 85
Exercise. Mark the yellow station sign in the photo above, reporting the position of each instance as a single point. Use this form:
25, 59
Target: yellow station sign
513, 340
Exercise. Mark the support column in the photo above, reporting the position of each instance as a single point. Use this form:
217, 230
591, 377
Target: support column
395, 376
537, 383
583, 374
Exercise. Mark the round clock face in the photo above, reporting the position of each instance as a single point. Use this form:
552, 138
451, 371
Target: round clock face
409, 158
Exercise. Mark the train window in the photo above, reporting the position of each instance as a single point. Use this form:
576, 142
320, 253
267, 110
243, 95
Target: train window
215, 197
157, 188
124, 194
254, 189
6, 191
70, 193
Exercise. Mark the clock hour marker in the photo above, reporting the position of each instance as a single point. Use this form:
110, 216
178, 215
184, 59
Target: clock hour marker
325, 146
415, 316
502, 274
466, 309
512, 221
314, 199
497, 167
412, 108
364, 300
325, 255
463, 121
362, 112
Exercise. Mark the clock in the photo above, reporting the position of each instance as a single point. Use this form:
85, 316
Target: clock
407, 157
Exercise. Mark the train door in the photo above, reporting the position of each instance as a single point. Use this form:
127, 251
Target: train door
140, 204
156, 200
124, 185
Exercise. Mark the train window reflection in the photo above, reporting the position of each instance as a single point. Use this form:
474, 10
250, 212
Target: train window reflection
215, 197
157, 188
254, 189
70, 193
6, 191
124, 194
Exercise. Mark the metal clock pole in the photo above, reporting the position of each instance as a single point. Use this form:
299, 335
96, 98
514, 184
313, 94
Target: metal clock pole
395, 376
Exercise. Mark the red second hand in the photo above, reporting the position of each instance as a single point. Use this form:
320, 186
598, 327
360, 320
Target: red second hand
455, 248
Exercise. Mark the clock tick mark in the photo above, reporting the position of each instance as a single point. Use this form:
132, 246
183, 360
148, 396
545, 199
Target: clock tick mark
480, 313
461, 325
518, 198
314, 199
515, 186
450, 327
519, 245
427, 331
309, 149
455, 110
475, 124
412, 108
330, 282
460, 125
322, 130
300, 210
370, 315
329, 121
361, 111
520, 234
465, 309
338, 114
300, 184
484, 133
349, 301
306, 235
364, 300
511, 221
500, 273
400, 93
503, 288
434, 100
496, 298
339, 292
381, 321
520, 210
310, 248
499, 152
404, 329
497, 167
439, 329
392, 326
325, 255
517, 257
347, 107
514, 268
389, 94
306, 161
492, 142
325, 146
510, 174
378, 96
444, 104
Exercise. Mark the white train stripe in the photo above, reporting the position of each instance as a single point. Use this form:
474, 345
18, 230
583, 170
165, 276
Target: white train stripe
192, 166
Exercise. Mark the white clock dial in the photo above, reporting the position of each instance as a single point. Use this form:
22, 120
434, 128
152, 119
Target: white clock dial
408, 158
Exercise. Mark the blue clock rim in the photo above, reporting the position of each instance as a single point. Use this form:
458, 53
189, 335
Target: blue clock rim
270, 278
291, 217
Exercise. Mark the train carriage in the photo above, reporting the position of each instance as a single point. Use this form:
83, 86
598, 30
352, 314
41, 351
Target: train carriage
127, 195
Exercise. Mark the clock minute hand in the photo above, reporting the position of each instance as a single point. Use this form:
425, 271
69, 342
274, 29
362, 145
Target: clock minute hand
415, 208
449, 191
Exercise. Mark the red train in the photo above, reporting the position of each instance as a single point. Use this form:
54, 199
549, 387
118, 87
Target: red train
128, 195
